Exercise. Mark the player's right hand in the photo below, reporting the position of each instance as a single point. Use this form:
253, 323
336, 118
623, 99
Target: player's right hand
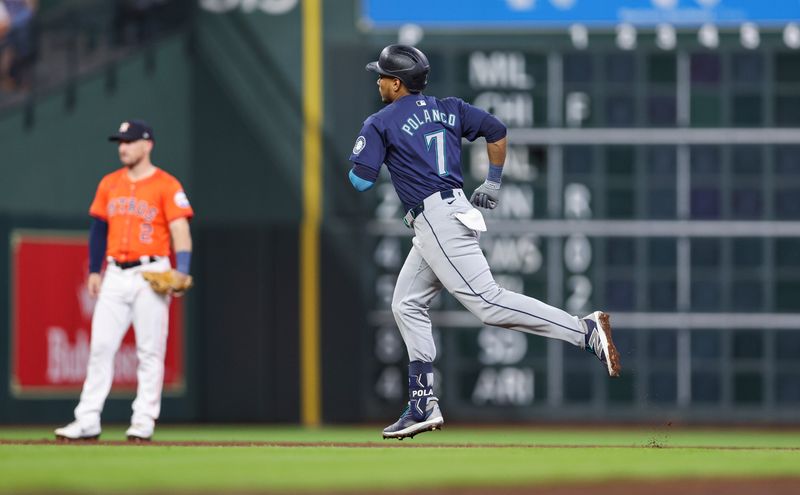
93, 284
486, 195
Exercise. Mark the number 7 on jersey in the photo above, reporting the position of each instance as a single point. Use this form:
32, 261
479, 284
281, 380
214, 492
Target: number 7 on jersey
437, 139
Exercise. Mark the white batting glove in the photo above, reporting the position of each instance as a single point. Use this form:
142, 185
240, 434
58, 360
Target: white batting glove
486, 195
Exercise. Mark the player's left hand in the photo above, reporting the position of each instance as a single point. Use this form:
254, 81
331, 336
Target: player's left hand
183, 282
486, 195
170, 282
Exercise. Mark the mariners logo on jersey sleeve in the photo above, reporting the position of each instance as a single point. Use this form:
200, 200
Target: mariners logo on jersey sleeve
181, 201
361, 143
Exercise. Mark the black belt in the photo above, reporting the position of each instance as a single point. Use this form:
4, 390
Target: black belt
131, 264
415, 211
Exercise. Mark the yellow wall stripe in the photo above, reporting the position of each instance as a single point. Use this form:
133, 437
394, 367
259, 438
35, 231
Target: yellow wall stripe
310, 376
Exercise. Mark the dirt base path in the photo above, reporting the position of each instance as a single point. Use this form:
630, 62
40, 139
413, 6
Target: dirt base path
370, 445
777, 486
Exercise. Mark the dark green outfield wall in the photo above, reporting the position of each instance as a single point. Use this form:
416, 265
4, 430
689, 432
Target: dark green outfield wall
246, 117
225, 99
53, 167
224, 102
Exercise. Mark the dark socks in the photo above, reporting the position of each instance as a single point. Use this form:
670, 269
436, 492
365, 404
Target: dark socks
420, 387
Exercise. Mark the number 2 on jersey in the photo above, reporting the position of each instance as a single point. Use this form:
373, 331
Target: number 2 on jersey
437, 138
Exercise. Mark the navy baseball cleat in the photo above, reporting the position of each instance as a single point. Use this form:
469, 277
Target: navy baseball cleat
598, 341
407, 426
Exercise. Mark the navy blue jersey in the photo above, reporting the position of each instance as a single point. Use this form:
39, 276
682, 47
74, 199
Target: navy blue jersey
418, 137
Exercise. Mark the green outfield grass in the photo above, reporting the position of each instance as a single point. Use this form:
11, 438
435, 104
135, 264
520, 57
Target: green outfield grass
506, 456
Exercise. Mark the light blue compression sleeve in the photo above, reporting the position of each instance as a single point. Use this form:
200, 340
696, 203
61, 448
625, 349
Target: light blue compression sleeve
359, 183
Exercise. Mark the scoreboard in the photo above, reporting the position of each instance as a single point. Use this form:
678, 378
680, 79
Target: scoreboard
658, 182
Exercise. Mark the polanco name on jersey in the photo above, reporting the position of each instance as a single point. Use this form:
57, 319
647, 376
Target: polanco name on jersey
414, 122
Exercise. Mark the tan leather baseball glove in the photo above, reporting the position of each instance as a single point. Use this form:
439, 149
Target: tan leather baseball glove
169, 282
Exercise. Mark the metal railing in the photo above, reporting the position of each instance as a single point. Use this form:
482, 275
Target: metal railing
74, 39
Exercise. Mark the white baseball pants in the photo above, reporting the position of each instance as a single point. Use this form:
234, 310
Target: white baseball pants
126, 297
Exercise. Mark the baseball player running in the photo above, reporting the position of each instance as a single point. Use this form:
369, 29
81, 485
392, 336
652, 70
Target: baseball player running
418, 137
135, 212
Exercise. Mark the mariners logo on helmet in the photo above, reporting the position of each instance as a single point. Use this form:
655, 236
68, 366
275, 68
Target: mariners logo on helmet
405, 63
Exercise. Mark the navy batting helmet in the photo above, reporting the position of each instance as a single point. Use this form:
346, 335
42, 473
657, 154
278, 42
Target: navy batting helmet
405, 63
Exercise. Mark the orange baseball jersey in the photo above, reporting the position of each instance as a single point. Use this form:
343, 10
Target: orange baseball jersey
138, 213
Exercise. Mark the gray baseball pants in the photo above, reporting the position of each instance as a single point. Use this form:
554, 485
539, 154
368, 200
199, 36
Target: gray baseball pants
446, 254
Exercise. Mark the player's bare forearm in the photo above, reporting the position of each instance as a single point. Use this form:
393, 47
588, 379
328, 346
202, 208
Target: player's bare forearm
497, 152
181, 235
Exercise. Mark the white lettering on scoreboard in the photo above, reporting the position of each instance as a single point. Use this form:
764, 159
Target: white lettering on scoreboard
391, 383
577, 107
388, 253
499, 346
504, 387
501, 70
578, 249
514, 109
514, 254
389, 206
389, 346
518, 165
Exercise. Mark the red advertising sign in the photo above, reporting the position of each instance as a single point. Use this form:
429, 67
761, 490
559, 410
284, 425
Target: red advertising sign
52, 315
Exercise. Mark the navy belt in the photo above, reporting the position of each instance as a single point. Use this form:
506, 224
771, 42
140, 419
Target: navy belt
132, 264
414, 212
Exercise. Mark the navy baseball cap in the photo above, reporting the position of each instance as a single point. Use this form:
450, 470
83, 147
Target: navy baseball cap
133, 130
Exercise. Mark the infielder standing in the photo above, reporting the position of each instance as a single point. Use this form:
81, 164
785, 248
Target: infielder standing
419, 137
136, 210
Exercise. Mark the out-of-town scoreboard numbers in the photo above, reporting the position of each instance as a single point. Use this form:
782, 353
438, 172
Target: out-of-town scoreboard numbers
653, 172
